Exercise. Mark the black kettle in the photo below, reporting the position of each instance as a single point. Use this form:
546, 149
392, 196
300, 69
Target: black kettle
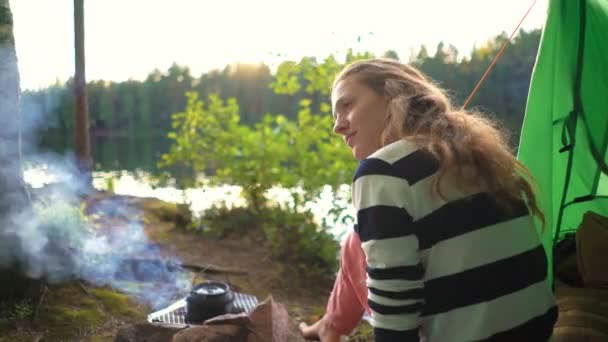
208, 299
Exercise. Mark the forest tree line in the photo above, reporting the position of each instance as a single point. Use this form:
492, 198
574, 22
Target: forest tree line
145, 107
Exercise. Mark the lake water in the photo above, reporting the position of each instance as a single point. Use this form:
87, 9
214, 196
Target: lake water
127, 164
199, 199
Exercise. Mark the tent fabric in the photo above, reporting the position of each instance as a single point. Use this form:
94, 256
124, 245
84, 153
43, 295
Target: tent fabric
565, 130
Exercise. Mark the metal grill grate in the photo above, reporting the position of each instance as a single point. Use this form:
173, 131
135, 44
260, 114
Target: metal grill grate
175, 313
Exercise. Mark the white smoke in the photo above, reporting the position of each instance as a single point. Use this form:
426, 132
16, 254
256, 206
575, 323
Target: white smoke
51, 236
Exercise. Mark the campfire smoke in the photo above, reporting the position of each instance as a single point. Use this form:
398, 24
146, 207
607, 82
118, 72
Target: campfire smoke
47, 233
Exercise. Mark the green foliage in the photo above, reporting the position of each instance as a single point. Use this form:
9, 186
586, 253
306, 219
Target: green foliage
253, 159
200, 132
143, 108
221, 221
73, 321
109, 183
286, 79
292, 237
117, 304
69, 313
298, 240
16, 310
314, 156
303, 156
392, 54
311, 75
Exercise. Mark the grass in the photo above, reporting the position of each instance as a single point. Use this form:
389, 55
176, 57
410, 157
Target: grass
118, 304
70, 313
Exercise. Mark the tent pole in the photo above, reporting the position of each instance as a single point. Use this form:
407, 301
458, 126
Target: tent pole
571, 121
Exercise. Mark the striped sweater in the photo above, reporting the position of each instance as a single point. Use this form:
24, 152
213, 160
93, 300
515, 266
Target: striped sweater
453, 269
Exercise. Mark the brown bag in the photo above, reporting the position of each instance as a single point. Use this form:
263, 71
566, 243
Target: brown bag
592, 250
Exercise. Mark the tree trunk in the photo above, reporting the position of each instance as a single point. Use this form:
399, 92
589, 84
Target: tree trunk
11, 187
13, 198
81, 110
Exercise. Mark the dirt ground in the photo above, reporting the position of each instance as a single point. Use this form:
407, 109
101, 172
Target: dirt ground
304, 298
80, 311
259, 274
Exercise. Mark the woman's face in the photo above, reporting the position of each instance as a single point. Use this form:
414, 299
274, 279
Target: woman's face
359, 114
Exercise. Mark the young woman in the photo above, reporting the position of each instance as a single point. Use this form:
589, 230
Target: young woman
445, 247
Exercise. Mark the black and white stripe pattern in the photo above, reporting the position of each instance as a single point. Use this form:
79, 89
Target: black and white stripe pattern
455, 269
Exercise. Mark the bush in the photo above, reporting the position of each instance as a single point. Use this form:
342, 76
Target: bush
16, 310
301, 155
220, 221
294, 238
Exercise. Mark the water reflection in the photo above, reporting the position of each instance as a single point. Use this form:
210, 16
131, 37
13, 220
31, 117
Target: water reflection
199, 199
112, 152
136, 157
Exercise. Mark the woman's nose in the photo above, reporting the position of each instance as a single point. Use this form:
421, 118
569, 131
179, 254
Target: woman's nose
340, 126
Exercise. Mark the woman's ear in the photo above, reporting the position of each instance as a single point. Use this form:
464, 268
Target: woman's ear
392, 128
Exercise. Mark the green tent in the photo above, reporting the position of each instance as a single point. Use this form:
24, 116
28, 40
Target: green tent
565, 130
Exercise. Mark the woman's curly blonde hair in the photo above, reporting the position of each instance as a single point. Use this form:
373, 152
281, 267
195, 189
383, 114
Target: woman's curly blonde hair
460, 140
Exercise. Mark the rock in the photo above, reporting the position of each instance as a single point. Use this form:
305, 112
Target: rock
233, 319
213, 333
145, 332
267, 322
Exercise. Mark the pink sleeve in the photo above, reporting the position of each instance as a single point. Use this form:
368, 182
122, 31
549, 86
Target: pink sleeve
348, 299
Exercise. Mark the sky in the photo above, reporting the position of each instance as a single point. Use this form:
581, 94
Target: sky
127, 39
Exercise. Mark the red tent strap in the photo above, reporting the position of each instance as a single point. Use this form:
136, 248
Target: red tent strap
504, 46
